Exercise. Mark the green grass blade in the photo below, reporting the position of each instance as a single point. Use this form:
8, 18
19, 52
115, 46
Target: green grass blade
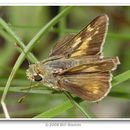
76, 104
122, 95
119, 36
121, 78
53, 112
60, 108
24, 90
29, 46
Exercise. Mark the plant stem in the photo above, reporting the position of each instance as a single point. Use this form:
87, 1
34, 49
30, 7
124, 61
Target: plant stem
28, 47
77, 105
121, 78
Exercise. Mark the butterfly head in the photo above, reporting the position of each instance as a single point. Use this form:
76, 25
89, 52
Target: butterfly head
33, 73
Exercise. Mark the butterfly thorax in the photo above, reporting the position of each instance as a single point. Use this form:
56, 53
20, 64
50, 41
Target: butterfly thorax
51, 70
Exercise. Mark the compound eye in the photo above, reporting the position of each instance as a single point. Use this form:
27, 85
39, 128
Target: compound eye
37, 78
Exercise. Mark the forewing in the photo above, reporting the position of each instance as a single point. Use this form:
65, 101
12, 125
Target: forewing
87, 42
59, 48
89, 86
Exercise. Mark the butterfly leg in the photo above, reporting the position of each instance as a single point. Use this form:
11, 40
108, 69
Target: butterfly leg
32, 86
21, 98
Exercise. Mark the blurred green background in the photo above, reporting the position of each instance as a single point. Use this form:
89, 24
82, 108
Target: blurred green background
27, 21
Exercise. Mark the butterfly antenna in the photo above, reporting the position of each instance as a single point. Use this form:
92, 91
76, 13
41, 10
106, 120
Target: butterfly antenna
24, 96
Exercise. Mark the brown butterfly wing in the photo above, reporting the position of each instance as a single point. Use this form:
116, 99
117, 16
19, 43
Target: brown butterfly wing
58, 49
87, 42
89, 86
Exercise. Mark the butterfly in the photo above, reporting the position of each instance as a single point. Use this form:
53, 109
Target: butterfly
76, 63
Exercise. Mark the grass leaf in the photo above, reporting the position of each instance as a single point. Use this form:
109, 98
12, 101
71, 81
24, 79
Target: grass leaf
29, 46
